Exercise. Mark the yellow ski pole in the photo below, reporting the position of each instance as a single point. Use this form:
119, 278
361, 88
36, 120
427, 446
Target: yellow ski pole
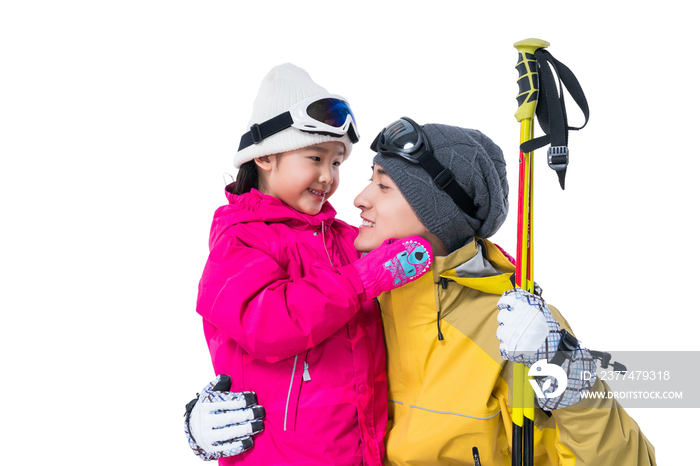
523, 394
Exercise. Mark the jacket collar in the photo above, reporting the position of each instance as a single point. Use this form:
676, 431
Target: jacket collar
479, 265
255, 206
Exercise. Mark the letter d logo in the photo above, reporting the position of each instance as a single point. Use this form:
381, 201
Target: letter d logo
543, 369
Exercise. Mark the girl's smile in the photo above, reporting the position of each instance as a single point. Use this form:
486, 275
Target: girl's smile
305, 178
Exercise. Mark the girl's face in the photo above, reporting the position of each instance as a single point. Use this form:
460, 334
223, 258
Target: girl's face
304, 178
386, 214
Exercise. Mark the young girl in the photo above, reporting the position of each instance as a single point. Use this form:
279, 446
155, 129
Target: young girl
286, 300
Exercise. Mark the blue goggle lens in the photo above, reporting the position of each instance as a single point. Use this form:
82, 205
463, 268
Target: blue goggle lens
332, 112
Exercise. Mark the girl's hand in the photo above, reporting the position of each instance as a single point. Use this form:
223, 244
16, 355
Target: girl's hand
393, 264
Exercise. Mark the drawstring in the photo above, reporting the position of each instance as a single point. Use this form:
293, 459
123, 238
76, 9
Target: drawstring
443, 282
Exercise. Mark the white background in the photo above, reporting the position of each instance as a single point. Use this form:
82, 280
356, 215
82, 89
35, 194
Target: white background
118, 121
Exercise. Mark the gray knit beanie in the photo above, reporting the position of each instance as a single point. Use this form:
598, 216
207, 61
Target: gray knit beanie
480, 169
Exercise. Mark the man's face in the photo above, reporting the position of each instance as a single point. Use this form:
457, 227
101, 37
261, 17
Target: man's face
385, 213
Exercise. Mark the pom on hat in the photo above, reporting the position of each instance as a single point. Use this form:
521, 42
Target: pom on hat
480, 169
284, 86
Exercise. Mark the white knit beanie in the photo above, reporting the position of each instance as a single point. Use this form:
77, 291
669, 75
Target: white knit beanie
284, 86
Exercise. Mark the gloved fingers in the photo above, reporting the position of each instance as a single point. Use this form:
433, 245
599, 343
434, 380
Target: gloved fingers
508, 325
505, 354
513, 311
516, 295
505, 315
522, 324
500, 332
221, 418
232, 432
519, 314
217, 391
223, 383
505, 335
508, 301
535, 334
393, 264
232, 447
227, 400
217, 414
211, 428
409, 259
217, 409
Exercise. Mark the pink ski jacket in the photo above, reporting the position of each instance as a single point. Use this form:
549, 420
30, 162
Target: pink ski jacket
282, 317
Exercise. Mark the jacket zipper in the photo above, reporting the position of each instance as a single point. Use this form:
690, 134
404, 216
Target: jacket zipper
306, 375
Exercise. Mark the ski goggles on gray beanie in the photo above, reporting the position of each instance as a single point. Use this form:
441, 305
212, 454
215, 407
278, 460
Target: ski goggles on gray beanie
453, 178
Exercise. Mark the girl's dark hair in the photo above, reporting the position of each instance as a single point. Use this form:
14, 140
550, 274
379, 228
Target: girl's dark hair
246, 179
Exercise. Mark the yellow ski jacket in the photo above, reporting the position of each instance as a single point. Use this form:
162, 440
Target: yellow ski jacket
447, 396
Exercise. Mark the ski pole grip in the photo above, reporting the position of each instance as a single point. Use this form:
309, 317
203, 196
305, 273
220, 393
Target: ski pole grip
528, 82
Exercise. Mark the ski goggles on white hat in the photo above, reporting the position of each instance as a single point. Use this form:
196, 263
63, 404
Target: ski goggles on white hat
329, 115
406, 139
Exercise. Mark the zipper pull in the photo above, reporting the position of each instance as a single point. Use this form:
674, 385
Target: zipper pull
306, 376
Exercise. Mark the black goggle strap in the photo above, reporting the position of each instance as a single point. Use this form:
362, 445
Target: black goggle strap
442, 177
258, 132
445, 180
373, 146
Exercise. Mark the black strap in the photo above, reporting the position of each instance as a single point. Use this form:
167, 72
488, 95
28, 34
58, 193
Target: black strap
445, 180
605, 361
567, 345
551, 111
258, 132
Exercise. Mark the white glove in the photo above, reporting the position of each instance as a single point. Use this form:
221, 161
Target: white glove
525, 324
220, 423
530, 334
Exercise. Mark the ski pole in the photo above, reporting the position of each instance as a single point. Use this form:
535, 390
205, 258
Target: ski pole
523, 394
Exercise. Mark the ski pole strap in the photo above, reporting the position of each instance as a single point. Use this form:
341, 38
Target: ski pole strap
551, 112
567, 345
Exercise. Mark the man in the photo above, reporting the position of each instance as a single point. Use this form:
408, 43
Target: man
447, 370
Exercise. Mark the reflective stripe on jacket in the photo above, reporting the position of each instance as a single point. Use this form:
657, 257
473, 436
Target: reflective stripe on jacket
447, 396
